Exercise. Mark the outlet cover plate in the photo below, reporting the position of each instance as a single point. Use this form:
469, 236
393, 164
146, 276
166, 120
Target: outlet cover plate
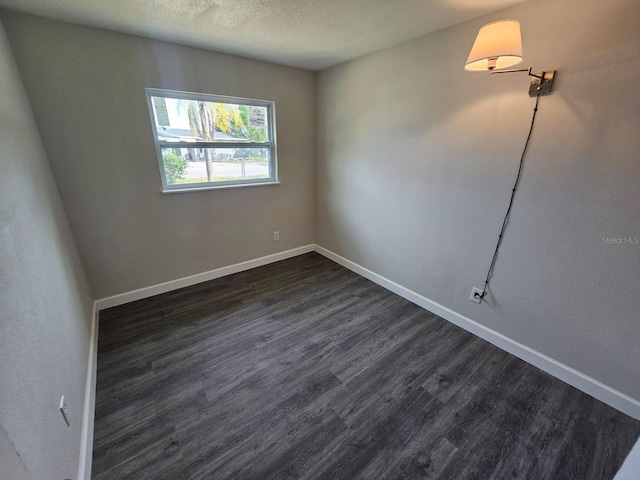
65, 411
473, 297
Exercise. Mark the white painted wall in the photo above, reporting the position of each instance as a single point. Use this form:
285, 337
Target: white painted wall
416, 159
45, 301
86, 88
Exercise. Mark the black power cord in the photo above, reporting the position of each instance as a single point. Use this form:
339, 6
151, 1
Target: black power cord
513, 194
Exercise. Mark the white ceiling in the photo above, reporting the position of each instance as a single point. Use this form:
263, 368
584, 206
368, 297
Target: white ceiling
310, 34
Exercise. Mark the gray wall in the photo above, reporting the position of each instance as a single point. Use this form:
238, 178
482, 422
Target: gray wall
11, 465
417, 158
45, 302
86, 88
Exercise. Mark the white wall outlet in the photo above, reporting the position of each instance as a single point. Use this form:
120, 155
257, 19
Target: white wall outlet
276, 236
65, 411
476, 295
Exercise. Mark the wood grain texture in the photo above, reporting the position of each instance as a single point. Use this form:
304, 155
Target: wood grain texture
304, 370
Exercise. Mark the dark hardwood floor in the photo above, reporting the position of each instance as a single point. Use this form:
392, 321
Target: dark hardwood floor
304, 370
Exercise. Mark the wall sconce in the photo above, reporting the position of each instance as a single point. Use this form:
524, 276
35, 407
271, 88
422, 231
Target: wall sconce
498, 46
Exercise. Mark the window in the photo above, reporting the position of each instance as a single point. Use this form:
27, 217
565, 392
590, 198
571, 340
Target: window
210, 141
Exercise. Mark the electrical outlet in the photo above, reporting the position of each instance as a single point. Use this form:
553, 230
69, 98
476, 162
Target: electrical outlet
476, 295
276, 236
64, 410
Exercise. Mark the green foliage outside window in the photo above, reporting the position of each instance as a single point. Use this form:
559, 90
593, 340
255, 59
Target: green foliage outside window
174, 167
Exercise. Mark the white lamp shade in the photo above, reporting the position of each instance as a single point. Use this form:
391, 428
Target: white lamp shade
498, 45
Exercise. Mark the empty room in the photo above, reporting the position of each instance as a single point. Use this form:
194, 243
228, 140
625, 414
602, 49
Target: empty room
354, 239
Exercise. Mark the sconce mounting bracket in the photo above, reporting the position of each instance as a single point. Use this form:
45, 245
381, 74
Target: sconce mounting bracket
541, 83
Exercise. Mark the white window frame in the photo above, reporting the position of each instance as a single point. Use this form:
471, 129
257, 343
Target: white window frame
248, 182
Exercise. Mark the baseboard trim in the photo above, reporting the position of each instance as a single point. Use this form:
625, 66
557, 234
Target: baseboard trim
579, 380
165, 287
630, 469
86, 442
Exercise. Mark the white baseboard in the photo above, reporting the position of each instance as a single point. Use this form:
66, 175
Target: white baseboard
86, 443
165, 287
630, 469
588, 385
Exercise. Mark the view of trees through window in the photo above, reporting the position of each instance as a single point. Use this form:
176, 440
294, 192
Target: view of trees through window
204, 141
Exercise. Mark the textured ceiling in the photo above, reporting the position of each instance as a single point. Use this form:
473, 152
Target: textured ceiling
310, 34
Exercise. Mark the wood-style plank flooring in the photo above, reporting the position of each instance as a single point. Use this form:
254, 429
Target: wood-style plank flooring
304, 370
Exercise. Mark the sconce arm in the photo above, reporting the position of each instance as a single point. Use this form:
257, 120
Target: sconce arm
542, 83
528, 70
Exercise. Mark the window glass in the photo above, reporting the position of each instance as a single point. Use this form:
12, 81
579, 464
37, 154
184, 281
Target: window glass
207, 141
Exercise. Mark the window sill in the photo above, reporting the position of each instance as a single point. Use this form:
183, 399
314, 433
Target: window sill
218, 187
